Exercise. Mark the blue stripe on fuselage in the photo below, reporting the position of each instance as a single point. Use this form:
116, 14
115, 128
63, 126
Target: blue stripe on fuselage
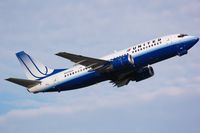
155, 55
87, 79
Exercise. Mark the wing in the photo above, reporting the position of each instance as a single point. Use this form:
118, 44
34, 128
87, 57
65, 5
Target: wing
120, 83
121, 79
83, 60
24, 82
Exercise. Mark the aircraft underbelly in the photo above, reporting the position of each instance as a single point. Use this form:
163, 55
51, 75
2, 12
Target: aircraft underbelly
81, 81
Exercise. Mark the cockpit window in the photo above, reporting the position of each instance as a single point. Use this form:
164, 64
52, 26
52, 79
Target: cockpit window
182, 35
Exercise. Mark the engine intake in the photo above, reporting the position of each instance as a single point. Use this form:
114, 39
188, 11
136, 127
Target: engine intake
122, 62
144, 73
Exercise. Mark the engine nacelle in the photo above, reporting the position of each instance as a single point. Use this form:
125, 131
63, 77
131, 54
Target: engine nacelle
122, 62
144, 73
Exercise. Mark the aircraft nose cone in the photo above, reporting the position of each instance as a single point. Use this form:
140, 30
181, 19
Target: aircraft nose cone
191, 42
197, 39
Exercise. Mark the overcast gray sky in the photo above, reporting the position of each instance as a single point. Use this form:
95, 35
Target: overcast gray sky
167, 102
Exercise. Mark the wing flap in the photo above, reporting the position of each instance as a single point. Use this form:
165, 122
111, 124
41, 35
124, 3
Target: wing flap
24, 82
120, 83
122, 79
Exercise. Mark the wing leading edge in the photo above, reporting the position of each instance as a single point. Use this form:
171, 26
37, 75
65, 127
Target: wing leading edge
95, 64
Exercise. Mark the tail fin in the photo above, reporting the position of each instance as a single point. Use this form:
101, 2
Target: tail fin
34, 70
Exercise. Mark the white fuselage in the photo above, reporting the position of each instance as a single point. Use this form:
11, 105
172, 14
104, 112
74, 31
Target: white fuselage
79, 71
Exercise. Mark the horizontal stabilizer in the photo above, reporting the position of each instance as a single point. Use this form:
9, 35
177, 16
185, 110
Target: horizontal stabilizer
24, 82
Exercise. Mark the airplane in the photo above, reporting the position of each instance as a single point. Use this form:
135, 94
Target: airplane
121, 67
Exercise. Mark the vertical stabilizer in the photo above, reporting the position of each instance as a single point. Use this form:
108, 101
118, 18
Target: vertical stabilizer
34, 70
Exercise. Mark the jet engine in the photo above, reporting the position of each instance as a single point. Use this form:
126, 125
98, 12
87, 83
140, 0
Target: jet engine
144, 73
122, 62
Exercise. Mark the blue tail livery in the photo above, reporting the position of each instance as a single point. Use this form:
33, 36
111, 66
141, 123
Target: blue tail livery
34, 70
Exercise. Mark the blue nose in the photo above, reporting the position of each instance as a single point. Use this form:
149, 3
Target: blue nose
196, 39
191, 42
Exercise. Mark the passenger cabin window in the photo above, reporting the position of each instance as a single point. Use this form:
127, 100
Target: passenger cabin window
182, 35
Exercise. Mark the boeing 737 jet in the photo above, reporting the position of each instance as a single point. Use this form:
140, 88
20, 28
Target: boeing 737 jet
131, 64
